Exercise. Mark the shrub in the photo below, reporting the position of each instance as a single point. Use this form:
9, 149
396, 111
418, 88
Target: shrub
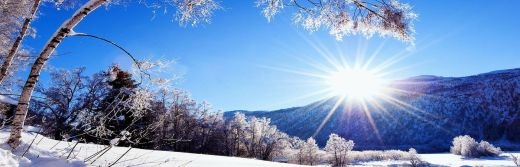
468, 147
372, 155
487, 149
415, 161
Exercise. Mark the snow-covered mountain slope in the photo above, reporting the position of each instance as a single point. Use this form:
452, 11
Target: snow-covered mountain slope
426, 113
48, 152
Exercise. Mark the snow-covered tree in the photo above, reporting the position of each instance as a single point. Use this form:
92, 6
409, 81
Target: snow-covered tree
209, 137
338, 147
262, 139
123, 113
236, 132
13, 11
349, 17
310, 152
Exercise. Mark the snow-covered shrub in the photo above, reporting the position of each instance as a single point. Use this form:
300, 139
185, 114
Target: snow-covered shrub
415, 160
487, 149
465, 146
372, 155
468, 147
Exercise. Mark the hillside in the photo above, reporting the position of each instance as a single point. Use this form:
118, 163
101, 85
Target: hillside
433, 110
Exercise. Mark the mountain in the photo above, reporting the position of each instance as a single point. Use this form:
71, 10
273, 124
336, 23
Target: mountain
426, 113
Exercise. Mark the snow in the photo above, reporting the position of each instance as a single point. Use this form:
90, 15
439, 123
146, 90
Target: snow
447, 159
53, 153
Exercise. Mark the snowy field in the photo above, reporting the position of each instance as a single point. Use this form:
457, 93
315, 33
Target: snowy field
446, 159
47, 152
455, 160
52, 153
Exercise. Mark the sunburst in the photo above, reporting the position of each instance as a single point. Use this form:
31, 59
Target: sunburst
358, 83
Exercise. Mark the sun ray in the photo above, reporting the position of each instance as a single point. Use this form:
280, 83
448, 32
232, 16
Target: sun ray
329, 114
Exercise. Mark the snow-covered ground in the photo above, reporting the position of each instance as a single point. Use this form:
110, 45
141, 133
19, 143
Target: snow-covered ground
52, 153
48, 152
447, 159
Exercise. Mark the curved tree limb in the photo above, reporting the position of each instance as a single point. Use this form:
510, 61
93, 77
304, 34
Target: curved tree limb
136, 62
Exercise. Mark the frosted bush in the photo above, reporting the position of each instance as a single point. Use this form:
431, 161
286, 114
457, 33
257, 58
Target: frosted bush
371, 155
487, 149
468, 147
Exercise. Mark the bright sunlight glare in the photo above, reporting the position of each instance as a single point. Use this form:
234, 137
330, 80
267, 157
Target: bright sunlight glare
356, 84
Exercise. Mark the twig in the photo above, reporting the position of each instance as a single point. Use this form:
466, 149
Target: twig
30, 145
100, 155
55, 145
95, 154
40, 140
71, 150
121, 156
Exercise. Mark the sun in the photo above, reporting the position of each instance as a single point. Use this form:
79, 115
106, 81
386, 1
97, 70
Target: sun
356, 84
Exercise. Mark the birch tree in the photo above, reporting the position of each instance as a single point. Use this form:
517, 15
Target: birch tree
8, 59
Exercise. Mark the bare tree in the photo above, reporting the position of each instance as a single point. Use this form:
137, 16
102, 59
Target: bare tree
63, 100
348, 17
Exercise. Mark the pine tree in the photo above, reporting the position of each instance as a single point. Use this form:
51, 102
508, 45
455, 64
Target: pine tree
115, 111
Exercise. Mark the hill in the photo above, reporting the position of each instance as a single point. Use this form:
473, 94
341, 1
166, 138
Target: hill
426, 113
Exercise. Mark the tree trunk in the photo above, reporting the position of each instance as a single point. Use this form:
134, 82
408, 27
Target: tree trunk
62, 32
12, 52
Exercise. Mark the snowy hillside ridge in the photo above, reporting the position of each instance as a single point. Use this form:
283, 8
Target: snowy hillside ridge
485, 106
52, 153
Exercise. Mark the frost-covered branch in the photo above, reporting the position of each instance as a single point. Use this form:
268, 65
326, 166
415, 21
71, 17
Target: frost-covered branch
349, 17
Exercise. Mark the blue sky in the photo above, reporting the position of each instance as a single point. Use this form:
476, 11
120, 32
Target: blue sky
240, 61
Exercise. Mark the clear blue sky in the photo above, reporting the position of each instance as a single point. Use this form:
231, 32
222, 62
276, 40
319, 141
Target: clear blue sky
235, 62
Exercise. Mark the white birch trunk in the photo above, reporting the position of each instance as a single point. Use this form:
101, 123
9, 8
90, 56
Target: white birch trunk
12, 52
23, 103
